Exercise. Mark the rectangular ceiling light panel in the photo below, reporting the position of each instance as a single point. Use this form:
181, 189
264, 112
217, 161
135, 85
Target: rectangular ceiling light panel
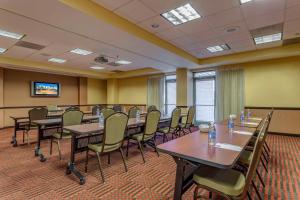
81, 52
11, 34
2, 50
245, 1
268, 38
57, 60
218, 48
181, 14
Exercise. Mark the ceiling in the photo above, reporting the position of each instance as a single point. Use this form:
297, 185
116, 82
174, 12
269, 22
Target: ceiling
61, 28
217, 17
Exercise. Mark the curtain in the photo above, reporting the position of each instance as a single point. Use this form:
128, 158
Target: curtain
229, 93
156, 92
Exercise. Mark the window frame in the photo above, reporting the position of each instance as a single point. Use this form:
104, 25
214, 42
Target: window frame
166, 91
195, 79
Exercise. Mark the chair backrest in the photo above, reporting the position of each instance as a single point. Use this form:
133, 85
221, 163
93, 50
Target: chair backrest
256, 156
117, 108
132, 112
151, 123
72, 117
72, 108
37, 113
190, 116
107, 112
96, 109
151, 108
175, 118
52, 107
114, 130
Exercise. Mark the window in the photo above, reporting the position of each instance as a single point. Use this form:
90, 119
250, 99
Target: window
170, 94
204, 96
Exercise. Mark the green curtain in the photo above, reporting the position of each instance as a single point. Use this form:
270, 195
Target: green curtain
156, 91
229, 93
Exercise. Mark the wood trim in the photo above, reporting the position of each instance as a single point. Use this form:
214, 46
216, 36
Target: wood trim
274, 108
22, 107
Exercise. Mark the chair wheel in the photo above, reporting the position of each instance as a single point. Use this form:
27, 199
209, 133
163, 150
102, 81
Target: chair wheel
82, 181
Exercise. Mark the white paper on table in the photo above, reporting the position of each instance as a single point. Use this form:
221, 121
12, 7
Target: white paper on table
228, 146
243, 132
255, 118
250, 123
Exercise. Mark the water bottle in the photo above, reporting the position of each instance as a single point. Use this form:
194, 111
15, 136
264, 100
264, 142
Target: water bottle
97, 112
230, 124
248, 113
242, 116
138, 115
211, 135
101, 119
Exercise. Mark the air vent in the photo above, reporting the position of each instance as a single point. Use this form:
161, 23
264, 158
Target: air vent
291, 41
267, 30
29, 45
113, 64
116, 71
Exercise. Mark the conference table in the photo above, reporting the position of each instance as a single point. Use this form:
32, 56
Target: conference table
50, 124
95, 130
192, 150
20, 122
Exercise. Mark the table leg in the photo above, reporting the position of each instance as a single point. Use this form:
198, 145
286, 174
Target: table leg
38, 151
184, 177
71, 168
14, 137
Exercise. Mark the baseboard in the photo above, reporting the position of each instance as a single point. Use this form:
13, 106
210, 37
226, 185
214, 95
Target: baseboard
285, 134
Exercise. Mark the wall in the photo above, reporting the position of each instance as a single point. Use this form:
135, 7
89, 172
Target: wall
273, 83
96, 91
133, 90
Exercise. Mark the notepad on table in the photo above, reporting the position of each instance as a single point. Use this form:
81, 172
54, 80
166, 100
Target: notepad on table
243, 132
228, 146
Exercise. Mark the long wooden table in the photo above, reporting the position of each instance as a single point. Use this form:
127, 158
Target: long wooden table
21, 121
93, 130
192, 150
45, 125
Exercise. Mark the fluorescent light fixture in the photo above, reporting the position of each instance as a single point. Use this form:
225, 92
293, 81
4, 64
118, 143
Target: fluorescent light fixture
97, 67
57, 60
81, 51
218, 48
268, 38
11, 34
181, 14
2, 50
245, 1
123, 62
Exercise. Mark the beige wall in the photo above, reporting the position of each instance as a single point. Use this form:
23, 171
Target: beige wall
96, 91
133, 90
273, 83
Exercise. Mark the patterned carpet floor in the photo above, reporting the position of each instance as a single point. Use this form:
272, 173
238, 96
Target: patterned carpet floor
23, 176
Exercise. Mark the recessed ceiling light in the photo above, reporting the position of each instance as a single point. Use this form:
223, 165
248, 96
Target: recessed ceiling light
123, 62
57, 60
218, 48
81, 51
181, 14
97, 67
2, 50
268, 38
245, 1
11, 34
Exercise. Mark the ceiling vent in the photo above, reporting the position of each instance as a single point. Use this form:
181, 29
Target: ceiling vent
267, 30
29, 45
291, 41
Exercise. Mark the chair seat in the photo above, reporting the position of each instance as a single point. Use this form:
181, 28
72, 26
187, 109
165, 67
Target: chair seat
245, 158
107, 148
164, 130
63, 135
229, 182
139, 137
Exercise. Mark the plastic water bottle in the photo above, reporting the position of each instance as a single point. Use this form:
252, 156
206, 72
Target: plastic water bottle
101, 119
212, 135
138, 115
230, 124
248, 113
97, 112
242, 116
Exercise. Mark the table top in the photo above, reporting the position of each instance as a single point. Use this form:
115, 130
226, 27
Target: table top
54, 121
194, 147
250, 123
